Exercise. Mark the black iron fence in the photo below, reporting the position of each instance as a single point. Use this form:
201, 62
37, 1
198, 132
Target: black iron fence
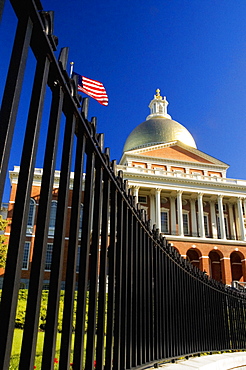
138, 302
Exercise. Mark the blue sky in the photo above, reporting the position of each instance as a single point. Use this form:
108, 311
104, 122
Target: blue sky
193, 50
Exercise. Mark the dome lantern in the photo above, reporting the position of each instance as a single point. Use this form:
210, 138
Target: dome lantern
158, 106
159, 128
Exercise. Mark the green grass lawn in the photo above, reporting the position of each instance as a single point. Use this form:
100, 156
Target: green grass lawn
15, 355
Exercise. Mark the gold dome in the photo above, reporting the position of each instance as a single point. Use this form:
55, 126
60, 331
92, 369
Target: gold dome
158, 128
157, 131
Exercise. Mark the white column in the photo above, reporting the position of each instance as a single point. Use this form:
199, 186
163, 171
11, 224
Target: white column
180, 215
240, 219
152, 208
213, 220
193, 217
221, 217
232, 222
158, 208
244, 206
201, 216
173, 216
135, 192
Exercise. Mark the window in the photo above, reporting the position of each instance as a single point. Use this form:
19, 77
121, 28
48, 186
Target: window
142, 199
206, 225
26, 253
226, 227
164, 222
52, 217
186, 223
31, 215
217, 207
196, 173
48, 257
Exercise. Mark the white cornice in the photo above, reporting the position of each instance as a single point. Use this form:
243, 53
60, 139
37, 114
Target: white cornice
217, 242
190, 185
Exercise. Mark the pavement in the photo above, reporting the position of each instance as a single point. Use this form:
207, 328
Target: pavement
224, 361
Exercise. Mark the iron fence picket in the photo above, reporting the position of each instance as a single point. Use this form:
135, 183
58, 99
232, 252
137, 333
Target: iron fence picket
103, 273
118, 284
84, 262
124, 296
111, 282
73, 245
58, 245
93, 271
130, 292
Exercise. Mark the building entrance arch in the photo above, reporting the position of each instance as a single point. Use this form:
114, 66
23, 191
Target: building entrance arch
236, 266
215, 265
193, 256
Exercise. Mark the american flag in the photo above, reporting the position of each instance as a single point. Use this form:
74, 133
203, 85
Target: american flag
93, 88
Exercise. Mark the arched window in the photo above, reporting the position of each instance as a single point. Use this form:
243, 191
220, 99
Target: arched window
236, 267
52, 217
193, 257
215, 266
31, 216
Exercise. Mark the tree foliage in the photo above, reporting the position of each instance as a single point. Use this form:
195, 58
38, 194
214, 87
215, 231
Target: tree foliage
3, 244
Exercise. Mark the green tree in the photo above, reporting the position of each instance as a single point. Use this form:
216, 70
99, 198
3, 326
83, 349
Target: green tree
3, 244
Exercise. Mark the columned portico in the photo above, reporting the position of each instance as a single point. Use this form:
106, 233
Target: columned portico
216, 222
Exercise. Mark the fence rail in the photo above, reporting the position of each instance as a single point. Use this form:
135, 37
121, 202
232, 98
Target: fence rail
138, 301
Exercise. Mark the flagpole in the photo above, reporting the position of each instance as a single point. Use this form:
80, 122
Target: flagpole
71, 69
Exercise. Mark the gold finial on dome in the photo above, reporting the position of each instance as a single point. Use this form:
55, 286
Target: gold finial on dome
158, 96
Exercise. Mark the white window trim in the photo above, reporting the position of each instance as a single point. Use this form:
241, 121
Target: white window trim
51, 230
46, 256
29, 229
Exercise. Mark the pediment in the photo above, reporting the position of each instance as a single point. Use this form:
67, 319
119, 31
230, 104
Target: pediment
176, 151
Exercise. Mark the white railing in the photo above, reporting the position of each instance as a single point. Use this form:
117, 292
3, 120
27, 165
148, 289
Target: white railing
176, 174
